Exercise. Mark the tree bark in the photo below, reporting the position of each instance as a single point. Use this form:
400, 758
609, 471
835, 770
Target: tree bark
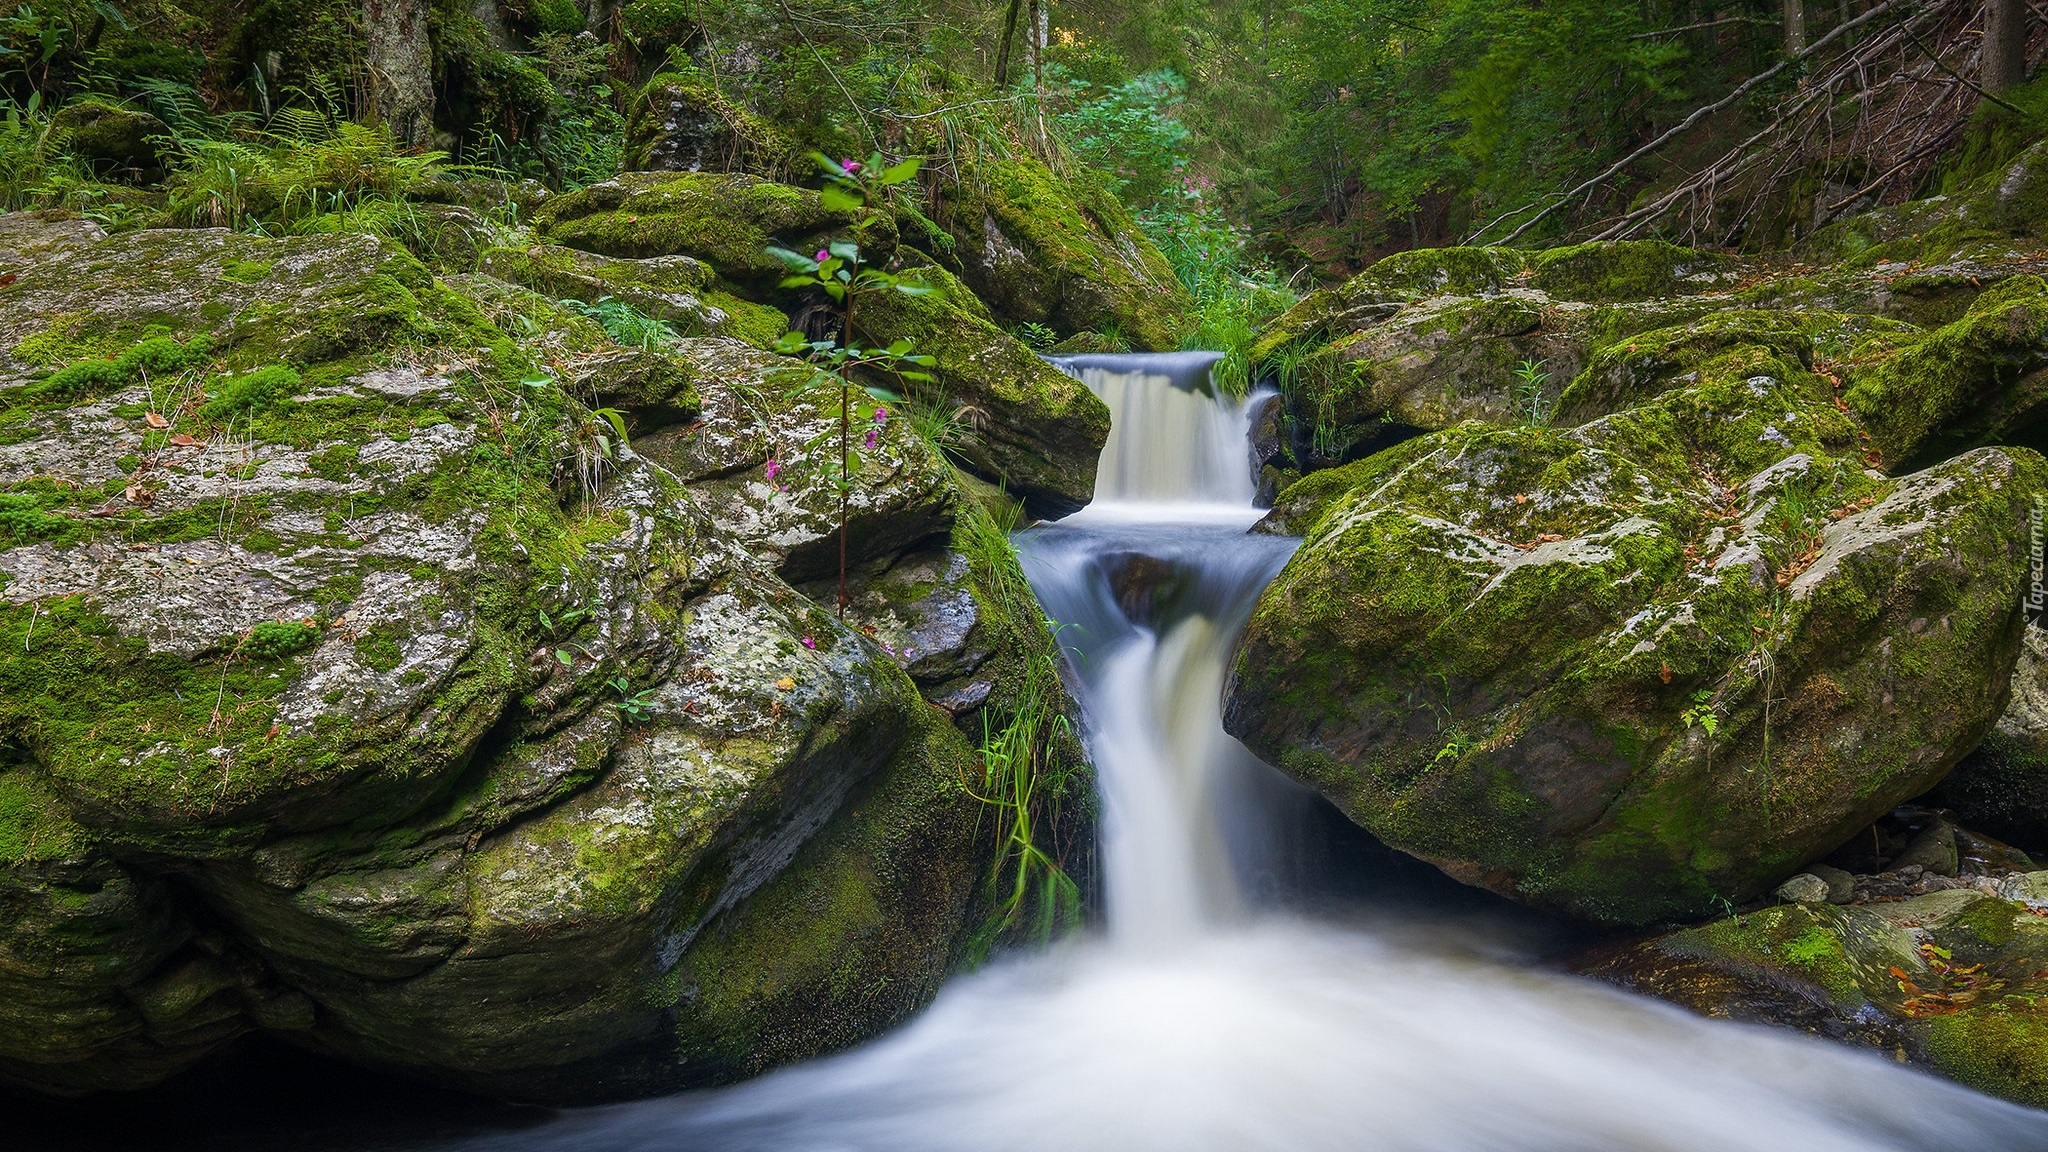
1009, 36
2004, 63
401, 66
1795, 27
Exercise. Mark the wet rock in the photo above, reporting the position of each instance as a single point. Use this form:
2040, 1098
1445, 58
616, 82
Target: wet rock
1951, 979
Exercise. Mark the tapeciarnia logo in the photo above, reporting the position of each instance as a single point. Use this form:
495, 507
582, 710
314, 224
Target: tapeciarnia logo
2037, 574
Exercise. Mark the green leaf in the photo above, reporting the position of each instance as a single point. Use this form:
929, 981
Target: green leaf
837, 198
898, 173
900, 348
562, 654
537, 381
920, 377
792, 258
846, 250
883, 394
615, 419
790, 343
923, 361
914, 289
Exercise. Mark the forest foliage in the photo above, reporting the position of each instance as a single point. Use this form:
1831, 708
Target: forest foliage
1259, 141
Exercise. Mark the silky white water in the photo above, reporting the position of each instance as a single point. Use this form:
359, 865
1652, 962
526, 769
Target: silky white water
1202, 1019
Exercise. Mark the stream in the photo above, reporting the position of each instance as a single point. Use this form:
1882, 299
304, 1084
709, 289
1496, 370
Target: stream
1235, 1001
1267, 978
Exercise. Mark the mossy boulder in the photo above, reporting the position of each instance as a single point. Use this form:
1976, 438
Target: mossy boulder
1045, 250
1437, 363
678, 290
1027, 425
1611, 270
1628, 670
116, 141
1385, 288
360, 682
724, 220
1951, 981
1980, 380
2002, 786
680, 122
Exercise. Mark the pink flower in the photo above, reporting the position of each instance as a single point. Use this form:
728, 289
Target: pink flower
881, 414
849, 166
774, 466
872, 434
810, 643
822, 256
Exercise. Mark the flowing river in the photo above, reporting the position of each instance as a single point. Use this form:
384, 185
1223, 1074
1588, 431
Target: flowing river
1220, 1009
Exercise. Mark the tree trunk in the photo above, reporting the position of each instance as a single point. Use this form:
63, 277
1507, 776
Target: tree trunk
2005, 45
401, 66
1009, 35
1795, 27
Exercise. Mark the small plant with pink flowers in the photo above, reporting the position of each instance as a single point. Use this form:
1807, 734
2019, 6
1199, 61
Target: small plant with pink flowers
842, 364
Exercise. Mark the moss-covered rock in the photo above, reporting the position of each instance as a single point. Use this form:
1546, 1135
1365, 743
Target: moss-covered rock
680, 122
1980, 380
1044, 250
1951, 980
1437, 363
115, 141
2002, 786
1611, 270
724, 220
1613, 670
1033, 428
679, 290
486, 744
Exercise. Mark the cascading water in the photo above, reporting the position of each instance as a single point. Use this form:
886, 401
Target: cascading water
1196, 1023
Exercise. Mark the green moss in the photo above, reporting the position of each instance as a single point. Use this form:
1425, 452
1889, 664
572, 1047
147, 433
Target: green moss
1613, 270
154, 357
1991, 923
247, 271
276, 640
1968, 383
251, 392
2003, 1053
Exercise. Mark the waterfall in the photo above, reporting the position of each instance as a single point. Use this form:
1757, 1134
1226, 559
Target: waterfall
1171, 438
1207, 1019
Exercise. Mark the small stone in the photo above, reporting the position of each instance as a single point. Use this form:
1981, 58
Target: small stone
1805, 888
1841, 885
1933, 850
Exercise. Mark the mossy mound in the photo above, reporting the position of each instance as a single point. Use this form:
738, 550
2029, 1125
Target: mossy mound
680, 122
1032, 427
117, 142
1950, 980
680, 291
1612, 670
722, 219
1045, 250
1614, 270
1980, 380
492, 741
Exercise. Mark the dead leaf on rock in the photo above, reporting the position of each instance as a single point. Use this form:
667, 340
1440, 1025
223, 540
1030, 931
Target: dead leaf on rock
786, 684
137, 494
183, 440
156, 420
